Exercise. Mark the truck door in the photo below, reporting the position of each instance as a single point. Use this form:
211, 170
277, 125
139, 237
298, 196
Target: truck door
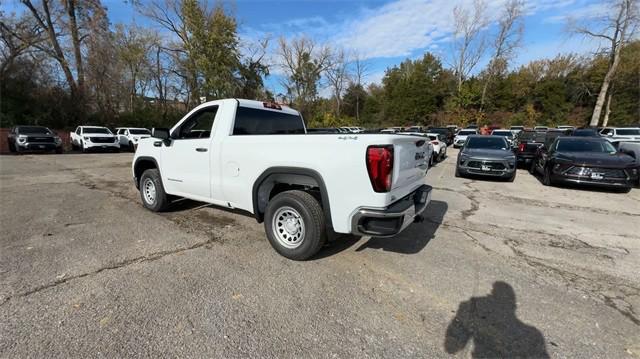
186, 161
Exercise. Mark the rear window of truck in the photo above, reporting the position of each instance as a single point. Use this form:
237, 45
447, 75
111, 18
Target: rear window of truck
251, 121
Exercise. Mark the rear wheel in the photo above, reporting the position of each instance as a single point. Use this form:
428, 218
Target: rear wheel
152, 192
295, 225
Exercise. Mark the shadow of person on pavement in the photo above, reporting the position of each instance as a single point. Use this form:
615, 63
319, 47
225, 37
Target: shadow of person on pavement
416, 236
491, 323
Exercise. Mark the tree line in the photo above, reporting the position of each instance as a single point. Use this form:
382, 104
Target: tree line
63, 63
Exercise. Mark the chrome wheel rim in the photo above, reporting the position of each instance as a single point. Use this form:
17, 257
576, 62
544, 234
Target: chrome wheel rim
149, 191
288, 227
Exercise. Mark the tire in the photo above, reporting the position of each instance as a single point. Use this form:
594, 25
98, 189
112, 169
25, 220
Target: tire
546, 177
59, 150
84, 150
458, 174
152, 192
532, 168
131, 147
512, 178
308, 231
12, 147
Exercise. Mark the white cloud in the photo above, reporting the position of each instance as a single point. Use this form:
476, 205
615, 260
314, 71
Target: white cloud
587, 12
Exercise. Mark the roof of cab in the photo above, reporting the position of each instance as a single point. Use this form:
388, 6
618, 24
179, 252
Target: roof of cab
254, 104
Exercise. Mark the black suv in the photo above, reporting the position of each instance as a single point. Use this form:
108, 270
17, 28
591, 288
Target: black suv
33, 138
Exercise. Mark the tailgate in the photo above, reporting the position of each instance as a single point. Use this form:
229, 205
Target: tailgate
410, 160
532, 147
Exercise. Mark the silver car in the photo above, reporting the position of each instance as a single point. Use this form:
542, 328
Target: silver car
486, 156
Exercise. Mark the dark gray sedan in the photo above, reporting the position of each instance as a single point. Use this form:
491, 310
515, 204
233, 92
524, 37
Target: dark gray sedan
486, 156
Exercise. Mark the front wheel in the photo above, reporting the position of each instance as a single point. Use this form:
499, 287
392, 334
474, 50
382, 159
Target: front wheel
295, 225
152, 192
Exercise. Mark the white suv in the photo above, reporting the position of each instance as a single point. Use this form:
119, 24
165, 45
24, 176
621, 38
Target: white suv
617, 134
129, 136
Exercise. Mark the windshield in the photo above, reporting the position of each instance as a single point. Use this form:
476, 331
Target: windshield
440, 130
517, 127
135, 131
433, 138
33, 130
466, 133
100, 130
502, 133
492, 143
531, 136
413, 129
628, 132
585, 133
585, 146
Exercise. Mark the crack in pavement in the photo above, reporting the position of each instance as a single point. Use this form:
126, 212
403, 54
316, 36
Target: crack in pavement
141, 259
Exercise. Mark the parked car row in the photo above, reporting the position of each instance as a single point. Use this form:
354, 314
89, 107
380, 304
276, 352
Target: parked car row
84, 138
556, 156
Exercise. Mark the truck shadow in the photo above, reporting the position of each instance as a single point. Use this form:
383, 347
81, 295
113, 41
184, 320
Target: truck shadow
490, 322
415, 237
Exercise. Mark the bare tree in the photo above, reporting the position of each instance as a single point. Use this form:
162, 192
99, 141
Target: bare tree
17, 37
303, 62
337, 75
135, 46
617, 28
360, 71
77, 19
168, 15
510, 29
468, 44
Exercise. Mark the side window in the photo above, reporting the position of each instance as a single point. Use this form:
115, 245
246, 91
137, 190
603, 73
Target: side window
78, 131
607, 131
198, 125
120, 131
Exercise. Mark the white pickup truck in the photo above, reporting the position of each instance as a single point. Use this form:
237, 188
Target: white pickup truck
257, 157
87, 138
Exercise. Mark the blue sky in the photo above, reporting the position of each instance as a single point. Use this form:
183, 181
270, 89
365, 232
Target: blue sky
387, 32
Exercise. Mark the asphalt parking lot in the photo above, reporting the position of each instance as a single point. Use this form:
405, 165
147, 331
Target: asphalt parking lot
497, 269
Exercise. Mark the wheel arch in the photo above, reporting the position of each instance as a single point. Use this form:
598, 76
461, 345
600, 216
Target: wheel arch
299, 176
142, 164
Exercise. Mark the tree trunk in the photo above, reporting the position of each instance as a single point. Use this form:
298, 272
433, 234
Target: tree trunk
358, 109
617, 41
607, 110
484, 93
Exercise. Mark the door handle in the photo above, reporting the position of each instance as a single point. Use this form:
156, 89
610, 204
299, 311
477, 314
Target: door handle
201, 149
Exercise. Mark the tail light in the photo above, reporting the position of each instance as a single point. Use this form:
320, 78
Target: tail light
435, 142
521, 147
380, 167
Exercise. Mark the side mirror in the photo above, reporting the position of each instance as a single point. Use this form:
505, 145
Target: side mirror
161, 133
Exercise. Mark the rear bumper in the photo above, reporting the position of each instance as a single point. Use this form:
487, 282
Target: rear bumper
389, 221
